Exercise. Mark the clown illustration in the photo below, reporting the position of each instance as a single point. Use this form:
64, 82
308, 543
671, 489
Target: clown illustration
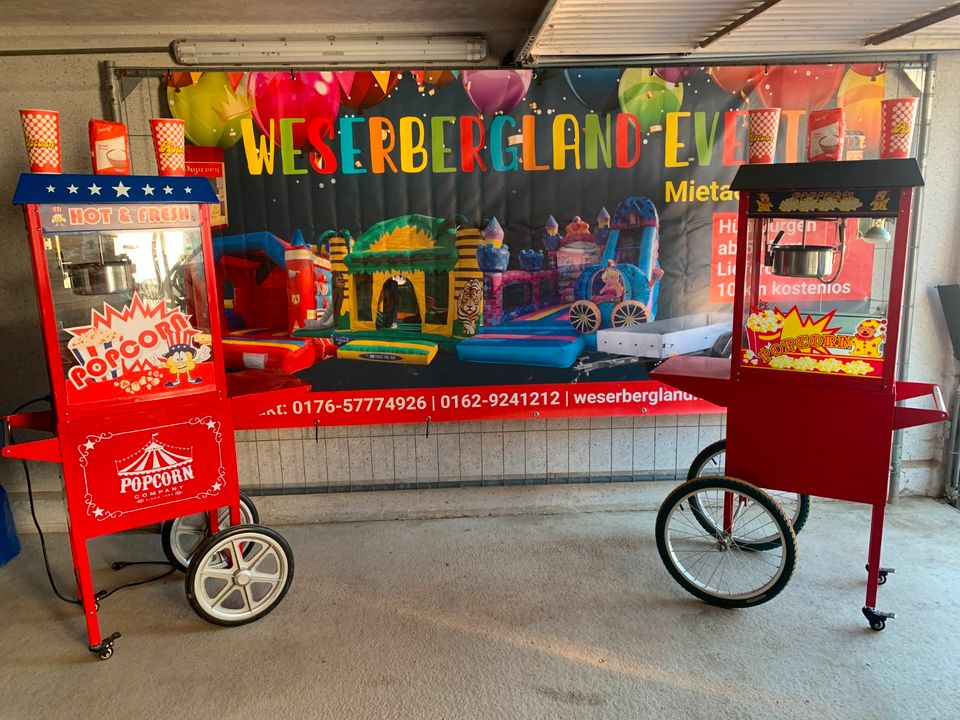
764, 204
182, 357
869, 337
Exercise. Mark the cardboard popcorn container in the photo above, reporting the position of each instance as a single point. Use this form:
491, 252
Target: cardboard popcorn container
762, 130
41, 134
825, 135
168, 142
896, 126
109, 148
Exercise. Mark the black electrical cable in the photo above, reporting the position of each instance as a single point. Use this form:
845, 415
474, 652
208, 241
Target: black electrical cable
43, 543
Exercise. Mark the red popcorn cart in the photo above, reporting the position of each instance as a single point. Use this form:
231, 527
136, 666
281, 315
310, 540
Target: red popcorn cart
141, 421
810, 389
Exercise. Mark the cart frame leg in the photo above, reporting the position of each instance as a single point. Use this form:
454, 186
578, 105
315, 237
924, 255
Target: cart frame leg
876, 618
101, 647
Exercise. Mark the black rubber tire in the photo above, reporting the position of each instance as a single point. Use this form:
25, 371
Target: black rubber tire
210, 542
166, 533
726, 484
702, 461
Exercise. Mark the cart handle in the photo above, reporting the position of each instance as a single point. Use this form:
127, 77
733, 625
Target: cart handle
904, 417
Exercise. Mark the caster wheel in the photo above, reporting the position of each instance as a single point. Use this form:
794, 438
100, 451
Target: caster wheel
181, 536
882, 579
878, 625
105, 654
239, 575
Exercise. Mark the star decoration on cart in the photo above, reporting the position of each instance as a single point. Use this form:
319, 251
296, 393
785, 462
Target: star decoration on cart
72, 189
122, 190
148, 189
94, 189
77, 188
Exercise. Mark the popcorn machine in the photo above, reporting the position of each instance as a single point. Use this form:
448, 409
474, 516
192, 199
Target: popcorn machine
811, 393
141, 419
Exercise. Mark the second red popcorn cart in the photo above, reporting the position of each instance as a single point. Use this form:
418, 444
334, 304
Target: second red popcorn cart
141, 420
810, 389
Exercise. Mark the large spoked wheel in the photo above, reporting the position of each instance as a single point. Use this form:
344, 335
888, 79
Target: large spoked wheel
181, 536
629, 313
239, 575
711, 462
585, 316
713, 564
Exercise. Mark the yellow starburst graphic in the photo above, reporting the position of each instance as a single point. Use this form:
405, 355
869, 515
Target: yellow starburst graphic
796, 325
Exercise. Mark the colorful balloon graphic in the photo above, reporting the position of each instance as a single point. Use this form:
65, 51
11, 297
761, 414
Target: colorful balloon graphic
649, 97
673, 75
871, 70
292, 94
369, 88
596, 88
438, 78
859, 96
807, 87
737, 79
211, 108
493, 91
542, 75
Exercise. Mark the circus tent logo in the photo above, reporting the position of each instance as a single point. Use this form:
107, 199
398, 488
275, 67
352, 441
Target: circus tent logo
157, 467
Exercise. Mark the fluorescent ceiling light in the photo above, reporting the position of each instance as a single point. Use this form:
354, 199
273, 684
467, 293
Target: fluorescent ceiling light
372, 50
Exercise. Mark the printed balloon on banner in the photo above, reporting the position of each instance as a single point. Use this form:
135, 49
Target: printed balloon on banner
369, 88
737, 79
871, 70
292, 94
807, 87
493, 91
596, 88
648, 96
859, 96
212, 107
437, 78
674, 75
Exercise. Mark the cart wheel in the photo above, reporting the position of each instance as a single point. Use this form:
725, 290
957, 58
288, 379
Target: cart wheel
585, 316
181, 536
239, 575
105, 654
628, 313
878, 625
710, 563
711, 462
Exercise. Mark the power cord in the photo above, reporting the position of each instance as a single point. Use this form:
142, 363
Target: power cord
119, 565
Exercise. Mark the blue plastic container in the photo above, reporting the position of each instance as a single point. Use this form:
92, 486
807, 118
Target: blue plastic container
9, 542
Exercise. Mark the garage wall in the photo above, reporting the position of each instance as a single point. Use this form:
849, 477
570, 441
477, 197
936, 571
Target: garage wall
597, 449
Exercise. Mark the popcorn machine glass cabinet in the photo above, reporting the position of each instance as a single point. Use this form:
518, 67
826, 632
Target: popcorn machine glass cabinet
131, 312
817, 295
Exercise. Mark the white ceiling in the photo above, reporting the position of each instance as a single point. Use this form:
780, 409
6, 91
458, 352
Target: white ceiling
566, 29
587, 28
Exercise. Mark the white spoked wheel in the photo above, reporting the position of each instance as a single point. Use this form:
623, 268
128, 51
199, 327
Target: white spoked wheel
239, 575
715, 563
181, 536
585, 316
629, 313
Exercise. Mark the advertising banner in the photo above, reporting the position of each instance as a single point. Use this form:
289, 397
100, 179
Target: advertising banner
465, 240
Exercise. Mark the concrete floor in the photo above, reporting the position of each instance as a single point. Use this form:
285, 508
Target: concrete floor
562, 616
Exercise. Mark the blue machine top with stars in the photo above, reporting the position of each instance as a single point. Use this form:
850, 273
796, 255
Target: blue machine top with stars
46, 188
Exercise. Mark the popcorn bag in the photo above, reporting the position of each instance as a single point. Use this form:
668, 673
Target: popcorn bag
168, 142
109, 148
763, 327
896, 127
825, 135
763, 127
41, 134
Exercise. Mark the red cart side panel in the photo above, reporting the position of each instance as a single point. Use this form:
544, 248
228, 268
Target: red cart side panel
125, 471
826, 441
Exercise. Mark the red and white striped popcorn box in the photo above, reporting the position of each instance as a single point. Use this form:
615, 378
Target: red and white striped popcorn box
92, 345
168, 141
41, 134
896, 126
763, 128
